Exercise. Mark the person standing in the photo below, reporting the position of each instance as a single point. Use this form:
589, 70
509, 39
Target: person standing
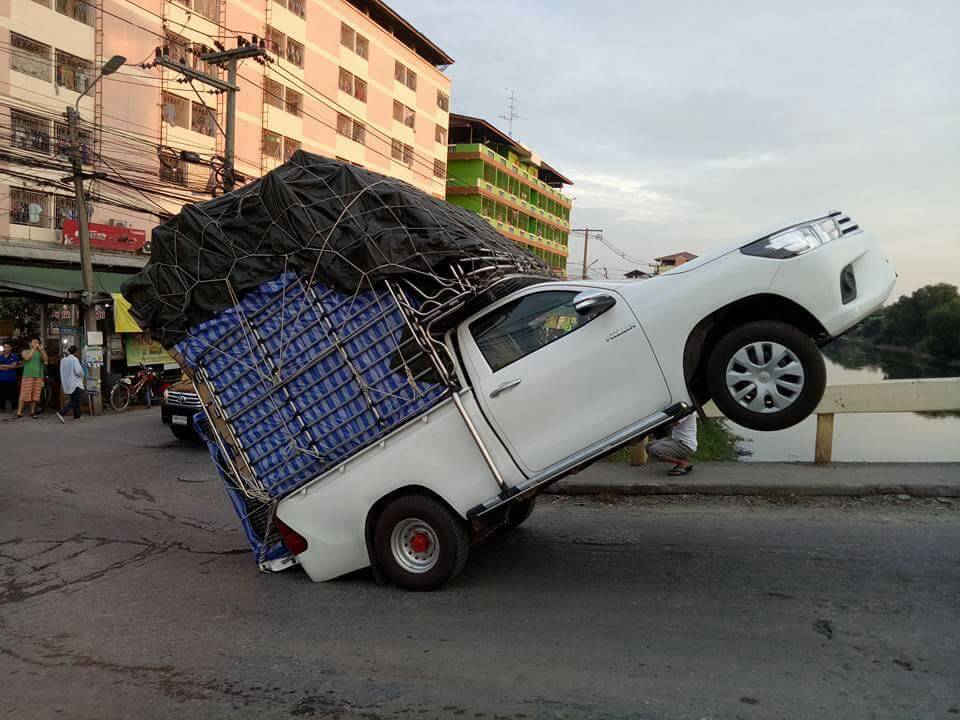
8, 378
679, 447
31, 383
71, 382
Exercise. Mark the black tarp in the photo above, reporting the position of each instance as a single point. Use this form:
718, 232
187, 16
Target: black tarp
340, 226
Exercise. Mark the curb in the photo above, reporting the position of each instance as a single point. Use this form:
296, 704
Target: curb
781, 490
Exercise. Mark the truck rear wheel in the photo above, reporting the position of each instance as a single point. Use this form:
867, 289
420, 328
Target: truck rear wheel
420, 543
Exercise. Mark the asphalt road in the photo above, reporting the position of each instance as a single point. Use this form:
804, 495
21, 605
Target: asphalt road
128, 593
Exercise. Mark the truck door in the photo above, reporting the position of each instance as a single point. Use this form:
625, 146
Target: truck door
559, 369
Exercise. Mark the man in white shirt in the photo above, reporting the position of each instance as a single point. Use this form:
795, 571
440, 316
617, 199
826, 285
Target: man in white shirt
679, 447
71, 382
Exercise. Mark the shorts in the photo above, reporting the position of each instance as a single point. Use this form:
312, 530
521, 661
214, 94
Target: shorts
30, 389
669, 449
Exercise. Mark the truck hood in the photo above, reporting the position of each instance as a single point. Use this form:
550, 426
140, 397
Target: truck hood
702, 260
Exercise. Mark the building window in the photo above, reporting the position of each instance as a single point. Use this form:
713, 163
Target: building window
29, 208
352, 85
203, 121
443, 101
359, 133
276, 42
64, 208
273, 93
30, 57
294, 52
82, 10
172, 168
343, 124
352, 129
401, 152
441, 136
353, 40
294, 103
210, 9
272, 144
401, 113
176, 47
403, 74
197, 50
62, 143
29, 132
290, 146
175, 110
439, 169
73, 73
298, 8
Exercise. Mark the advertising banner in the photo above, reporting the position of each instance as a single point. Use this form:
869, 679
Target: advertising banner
141, 348
106, 237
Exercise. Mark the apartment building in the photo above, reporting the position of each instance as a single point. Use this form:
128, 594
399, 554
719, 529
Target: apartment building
508, 184
350, 79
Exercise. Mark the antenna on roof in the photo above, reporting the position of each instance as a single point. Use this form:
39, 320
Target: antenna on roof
512, 111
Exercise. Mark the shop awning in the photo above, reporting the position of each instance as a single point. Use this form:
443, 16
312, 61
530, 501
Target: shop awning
60, 284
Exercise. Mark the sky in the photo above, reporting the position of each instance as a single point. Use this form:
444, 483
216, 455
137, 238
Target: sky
689, 125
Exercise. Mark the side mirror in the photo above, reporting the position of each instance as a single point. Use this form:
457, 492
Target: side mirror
593, 303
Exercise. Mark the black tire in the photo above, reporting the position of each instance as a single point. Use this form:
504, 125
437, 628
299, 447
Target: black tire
518, 512
796, 342
120, 397
448, 554
184, 433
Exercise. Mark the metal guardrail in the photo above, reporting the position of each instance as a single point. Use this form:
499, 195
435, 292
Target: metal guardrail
888, 396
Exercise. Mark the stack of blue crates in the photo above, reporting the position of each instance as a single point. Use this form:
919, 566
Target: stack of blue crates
305, 377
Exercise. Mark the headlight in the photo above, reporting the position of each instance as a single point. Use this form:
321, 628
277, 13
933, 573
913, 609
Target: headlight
802, 238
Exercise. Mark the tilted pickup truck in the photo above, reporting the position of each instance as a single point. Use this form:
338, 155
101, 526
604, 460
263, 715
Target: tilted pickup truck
560, 374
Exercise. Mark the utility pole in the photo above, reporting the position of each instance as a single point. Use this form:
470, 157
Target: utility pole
89, 295
255, 49
586, 246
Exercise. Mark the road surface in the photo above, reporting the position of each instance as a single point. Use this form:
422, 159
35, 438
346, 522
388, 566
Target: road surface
128, 593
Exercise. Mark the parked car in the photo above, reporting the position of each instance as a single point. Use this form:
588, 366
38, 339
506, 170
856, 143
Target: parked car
178, 407
559, 374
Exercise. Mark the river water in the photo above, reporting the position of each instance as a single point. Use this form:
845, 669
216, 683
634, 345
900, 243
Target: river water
870, 437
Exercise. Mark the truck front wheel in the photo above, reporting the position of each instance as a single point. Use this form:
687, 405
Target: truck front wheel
420, 543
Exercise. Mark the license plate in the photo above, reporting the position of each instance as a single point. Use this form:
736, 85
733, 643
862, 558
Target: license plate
178, 420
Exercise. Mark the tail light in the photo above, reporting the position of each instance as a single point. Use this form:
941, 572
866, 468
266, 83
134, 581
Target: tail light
292, 540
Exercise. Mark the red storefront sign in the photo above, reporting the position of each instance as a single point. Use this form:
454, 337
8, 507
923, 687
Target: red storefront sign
106, 237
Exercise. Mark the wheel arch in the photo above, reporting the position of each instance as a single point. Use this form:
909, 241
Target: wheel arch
707, 332
373, 514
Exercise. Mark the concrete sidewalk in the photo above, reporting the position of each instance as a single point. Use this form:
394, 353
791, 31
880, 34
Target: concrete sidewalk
767, 479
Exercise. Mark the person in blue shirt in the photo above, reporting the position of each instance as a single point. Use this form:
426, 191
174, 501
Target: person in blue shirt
9, 362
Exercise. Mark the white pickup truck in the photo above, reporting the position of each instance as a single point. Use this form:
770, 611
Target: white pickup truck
559, 374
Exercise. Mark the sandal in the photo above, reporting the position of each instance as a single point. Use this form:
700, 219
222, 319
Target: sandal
678, 470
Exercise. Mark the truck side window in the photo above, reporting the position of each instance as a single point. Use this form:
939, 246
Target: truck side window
525, 325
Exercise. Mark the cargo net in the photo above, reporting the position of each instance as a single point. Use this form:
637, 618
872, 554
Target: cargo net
310, 309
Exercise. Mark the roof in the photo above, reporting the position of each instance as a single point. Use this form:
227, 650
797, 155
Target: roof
57, 283
467, 129
676, 256
23, 253
387, 18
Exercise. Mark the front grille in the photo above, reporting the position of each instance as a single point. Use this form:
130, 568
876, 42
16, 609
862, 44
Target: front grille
184, 399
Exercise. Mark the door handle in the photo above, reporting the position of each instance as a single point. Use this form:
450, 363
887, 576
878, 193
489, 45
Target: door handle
504, 386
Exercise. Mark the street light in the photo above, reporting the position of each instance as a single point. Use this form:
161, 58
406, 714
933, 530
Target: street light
86, 258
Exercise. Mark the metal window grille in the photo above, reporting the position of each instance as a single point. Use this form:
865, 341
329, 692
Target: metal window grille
30, 57
28, 207
441, 135
440, 169
197, 64
64, 208
408, 154
362, 47
397, 111
73, 73
273, 93
82, 10
202, 120
343, 124
409, 117
272, 145
172, 169
294, 103
294, 52
347, 36
396, 149
359, 133
177, 47
210, 9
62, 143
360, 89
411, 81
298, 8
346, 81
29, 132
175, 110
443, 101
276, 42
399, 72
290, 146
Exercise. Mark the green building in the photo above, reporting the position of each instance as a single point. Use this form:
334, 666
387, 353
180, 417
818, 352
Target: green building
490, 173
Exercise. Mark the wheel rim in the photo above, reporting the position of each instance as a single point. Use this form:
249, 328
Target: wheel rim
415, 546
765, 377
